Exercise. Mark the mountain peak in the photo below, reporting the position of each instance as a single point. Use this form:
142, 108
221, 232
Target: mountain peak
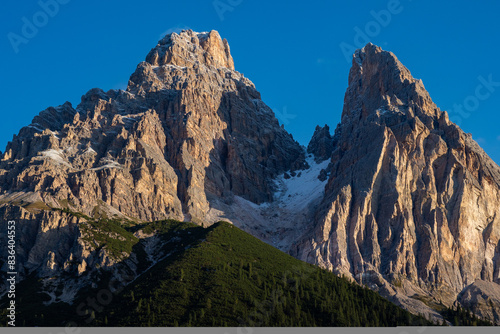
407, 202
360, 54
378, 81
321, 144
188, 48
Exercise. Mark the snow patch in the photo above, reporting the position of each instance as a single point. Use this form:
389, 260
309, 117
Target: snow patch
67, 295
90, 150
357, 57
110, 164
382, 111
55, 155
129, 119
298, 191
36, 127
203, 34
284, 220
54, 134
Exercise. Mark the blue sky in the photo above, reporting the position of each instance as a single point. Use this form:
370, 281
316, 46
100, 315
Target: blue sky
291, 50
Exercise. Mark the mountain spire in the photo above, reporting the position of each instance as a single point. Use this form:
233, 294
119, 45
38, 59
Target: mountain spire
189, 48
379, 82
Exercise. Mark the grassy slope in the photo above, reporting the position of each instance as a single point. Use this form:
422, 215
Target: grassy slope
230, 278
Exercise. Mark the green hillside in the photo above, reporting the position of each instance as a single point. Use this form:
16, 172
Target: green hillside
230, 278
216, 276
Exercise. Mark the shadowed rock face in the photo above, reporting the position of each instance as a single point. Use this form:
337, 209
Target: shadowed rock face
412, 202
321, 144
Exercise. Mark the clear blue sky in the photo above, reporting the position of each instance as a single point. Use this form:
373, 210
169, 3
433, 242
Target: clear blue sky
289, 49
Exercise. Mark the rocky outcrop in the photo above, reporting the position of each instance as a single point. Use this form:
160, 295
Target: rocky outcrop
482, 298
61, 250
103, 163
411, 200
321, 144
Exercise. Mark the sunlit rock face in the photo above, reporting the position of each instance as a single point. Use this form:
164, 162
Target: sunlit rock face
188, 130
412, 204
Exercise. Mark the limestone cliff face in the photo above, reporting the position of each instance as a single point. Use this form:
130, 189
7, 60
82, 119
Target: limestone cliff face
411, 206
100, 162
188, 130
188, 127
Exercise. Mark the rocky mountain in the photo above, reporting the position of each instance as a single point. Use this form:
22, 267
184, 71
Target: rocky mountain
399, 198
189, 130
411, 207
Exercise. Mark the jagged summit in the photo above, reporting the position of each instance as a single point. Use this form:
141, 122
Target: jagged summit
379, 82
189, 48
197, 128
321, 143
188, 138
